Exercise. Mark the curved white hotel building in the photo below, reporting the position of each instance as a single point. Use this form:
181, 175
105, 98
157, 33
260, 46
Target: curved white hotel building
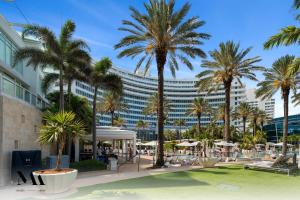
179, 92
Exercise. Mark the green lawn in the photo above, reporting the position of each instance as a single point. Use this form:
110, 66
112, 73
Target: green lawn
218, 183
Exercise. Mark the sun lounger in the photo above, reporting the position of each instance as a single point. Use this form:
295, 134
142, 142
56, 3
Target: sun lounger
279, 165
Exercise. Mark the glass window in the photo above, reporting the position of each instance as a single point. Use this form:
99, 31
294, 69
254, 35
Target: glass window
19, 92
27, 96
8, 87
33, 100
2, 50
8, 55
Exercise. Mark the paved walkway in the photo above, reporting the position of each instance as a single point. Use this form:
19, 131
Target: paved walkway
126, 171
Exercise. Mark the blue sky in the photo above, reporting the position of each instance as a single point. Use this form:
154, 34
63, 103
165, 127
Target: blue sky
248, 22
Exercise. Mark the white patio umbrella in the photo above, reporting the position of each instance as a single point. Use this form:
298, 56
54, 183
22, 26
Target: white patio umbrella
139, 144
152, 143
187, 144
225, 144
281, 144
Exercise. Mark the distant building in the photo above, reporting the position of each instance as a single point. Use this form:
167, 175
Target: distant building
274, 129
179, 92
267, 105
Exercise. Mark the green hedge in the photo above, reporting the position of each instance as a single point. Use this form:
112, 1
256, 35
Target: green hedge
88, 165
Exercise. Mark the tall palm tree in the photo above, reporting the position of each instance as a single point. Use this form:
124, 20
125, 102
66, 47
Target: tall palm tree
197, 108
100, 78
180, 123
219, 113
281, 77
228, 63
263, 119
153, 104
162, 34
243, 111
70, 74
296, 99
141, 124
254, 116
111, 103
59, 53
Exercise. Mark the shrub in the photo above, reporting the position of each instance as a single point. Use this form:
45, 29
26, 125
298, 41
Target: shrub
88, 165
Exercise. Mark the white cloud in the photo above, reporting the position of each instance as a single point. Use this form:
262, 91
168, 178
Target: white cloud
94, 42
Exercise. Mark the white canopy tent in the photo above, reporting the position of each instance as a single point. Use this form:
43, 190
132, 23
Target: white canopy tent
114, 135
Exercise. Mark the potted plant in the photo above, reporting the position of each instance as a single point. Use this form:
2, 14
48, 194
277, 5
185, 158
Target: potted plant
59, 126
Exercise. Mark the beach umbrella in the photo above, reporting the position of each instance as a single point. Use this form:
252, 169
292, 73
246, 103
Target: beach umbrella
152, 143
225, 144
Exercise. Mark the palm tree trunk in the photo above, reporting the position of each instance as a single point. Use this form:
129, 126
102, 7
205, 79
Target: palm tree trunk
61, 91
227, 115
69, 94
69, 109
285, 126
160, 60
59, 155
244, 125
94, 124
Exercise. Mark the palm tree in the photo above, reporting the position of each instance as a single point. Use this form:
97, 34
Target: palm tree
197, 108
112, 102
162, 34
100, 78
243, 111
59, 126
120, 122
219, 113
254, 116
262, 119
153, 104
180, 123
288, 35
228, 63
71, 73
296, 99
280, 77
141, 124
60, 53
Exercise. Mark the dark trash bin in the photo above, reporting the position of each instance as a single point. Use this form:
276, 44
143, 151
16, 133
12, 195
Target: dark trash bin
25, 162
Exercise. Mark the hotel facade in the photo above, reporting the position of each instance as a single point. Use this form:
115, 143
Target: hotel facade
179, 93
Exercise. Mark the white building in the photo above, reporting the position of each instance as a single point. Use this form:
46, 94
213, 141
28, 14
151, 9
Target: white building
20, 100
268, 105
179, 92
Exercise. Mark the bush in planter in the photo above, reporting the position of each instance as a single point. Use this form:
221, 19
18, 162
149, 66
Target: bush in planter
59, 126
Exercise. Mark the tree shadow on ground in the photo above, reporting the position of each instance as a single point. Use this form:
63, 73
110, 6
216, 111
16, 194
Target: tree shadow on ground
170, 180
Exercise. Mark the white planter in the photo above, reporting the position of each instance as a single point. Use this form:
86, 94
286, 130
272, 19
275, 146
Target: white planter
208, 162
56, 183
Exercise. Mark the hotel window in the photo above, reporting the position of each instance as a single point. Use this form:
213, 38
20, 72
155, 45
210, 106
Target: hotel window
2, 49
8, 54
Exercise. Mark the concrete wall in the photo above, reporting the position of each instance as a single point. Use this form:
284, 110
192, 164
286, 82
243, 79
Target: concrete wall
19, 130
